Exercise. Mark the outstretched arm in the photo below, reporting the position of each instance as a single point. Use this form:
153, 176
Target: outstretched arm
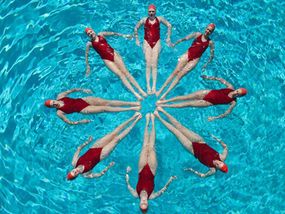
224, 154
62, 116
233, 104
88, 44
169, 27
130, 188
97, 175
157, 194
190, 36
65, 93
139, 24
128, 36
221, 80
76, 154
202, 175
212, 49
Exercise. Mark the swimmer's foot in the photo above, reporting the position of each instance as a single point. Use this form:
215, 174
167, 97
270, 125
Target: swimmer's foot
144, 94
156, 113
139, 116
137, 103
159, 108
149, 91
152, 118
147, 116
138, 108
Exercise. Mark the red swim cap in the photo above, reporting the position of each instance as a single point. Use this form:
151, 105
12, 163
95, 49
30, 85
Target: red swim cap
224, 168
243, 91
212, 25
151, 6
87, 29
48, 103
70, 176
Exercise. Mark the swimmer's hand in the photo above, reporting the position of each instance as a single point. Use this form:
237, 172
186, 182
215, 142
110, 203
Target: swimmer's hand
168, 42
112, 164
173, 177
204, 68
128, 36
138, 42
87, 70
83, 121
128, 169
87, 91
211, 118
195, 172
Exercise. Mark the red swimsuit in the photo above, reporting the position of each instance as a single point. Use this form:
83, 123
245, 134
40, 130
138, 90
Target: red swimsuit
151, 32
197, 48
219, 96
90, 159
146, 181
72, 105
205, 154
103, 49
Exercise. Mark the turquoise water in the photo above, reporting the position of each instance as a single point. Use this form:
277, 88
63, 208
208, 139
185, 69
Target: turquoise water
42, 54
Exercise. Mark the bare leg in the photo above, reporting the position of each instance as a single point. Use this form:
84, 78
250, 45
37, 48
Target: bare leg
198, 95
182, 138
148, 55
144, 151
182, 61
111, 145
186, 132
120, 63
188, 67
110, 136
95, 101
154, 61
98, 109
193, 103
113, 67
152, 160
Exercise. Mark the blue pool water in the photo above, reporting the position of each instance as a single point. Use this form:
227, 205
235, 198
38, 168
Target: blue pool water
42, 54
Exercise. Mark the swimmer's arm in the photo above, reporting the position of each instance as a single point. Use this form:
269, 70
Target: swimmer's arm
221, 80
202, 175
224, 154
130, 188
97, 175
88, 44
128, 36
212, 49
157, 194
190, 36
62, 116
65, 93
139, 24
233, 104
169, 28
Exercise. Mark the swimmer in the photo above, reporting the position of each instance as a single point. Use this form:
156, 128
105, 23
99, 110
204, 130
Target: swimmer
195, 144
151, 45
111, 59
86, 105
147, 169
206, 98
99, 151
188, 61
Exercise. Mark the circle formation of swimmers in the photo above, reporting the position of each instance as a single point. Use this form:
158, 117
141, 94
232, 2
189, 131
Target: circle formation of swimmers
191, 141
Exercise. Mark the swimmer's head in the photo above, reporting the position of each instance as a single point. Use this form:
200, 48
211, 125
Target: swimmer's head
90, 32
239, 92
151, 10
152, 7
143, 201
73, 174
221, 166
48, 103
210, 29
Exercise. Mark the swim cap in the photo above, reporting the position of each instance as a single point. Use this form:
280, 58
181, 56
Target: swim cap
151, 6
212, 25
70, 176
224, 168
48, 103
87, 29
243, 91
